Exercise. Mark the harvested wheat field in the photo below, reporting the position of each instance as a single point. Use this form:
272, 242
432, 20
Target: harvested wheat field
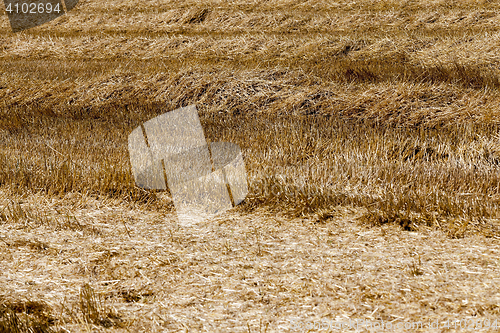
370, 132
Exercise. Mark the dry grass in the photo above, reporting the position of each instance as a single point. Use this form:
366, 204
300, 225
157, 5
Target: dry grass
369, 123
236, 272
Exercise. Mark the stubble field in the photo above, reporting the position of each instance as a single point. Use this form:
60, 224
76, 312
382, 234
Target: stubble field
370, 134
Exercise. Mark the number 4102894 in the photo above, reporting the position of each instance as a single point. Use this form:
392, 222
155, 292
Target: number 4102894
33, 8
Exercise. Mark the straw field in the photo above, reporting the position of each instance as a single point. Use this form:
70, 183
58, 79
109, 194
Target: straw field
370, 134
